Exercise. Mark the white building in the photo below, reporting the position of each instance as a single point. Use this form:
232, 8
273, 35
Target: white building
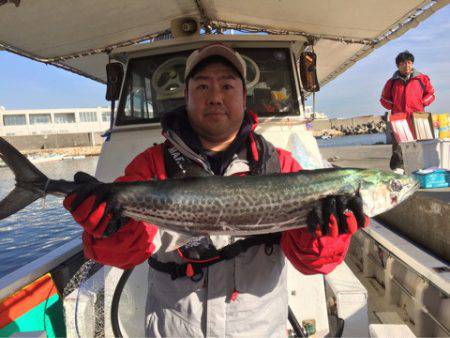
310, 114
69, 120
53, 121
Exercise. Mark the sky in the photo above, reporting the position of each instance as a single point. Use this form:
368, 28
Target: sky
27, 84
357, 91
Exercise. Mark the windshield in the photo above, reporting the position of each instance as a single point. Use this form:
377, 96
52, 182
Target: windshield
155, 85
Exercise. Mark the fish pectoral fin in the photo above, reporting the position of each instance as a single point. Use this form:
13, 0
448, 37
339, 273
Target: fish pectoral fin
171, 240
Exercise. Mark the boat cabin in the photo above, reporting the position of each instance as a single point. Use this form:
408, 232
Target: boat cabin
153, 84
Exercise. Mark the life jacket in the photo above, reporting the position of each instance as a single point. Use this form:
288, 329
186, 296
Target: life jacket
263, 159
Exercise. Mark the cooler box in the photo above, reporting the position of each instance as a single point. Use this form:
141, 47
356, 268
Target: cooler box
420, 154
425, 154
433, 178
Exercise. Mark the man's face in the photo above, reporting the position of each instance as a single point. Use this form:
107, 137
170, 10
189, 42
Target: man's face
215, 100
405, 67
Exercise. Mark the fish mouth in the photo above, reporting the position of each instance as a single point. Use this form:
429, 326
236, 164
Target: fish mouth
414, 187
408, 192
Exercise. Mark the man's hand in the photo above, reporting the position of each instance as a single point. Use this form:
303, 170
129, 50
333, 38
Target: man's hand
90, 206
337, 215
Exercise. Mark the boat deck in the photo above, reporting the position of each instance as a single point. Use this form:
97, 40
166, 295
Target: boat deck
422, 219
373, 157
370, 157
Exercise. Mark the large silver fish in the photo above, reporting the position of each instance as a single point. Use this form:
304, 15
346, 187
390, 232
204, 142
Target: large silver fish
221, 205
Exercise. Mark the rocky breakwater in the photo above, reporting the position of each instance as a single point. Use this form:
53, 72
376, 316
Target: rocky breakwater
327, 133
349, 126
365, 128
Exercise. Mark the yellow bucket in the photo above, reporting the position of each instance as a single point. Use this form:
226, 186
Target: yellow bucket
443, 120
444, 133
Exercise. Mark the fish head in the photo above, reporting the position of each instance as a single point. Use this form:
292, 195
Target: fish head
383, 190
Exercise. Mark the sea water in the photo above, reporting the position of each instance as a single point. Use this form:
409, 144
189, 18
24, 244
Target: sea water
40, 227
353, 140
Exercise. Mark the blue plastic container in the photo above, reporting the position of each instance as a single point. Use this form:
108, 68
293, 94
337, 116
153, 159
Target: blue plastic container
437, 178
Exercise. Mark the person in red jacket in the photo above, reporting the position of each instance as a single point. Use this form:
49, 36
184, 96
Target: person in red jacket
213, 285
408, 91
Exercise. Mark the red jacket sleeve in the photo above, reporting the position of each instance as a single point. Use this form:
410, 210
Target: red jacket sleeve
386, 95
132, 244
307, 252
428, 93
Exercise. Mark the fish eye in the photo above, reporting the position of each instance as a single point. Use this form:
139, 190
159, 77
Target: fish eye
396, 185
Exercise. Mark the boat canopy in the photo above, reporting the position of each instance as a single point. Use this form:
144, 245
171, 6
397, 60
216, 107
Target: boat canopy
79, 36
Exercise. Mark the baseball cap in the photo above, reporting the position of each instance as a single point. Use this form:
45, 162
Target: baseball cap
214, 49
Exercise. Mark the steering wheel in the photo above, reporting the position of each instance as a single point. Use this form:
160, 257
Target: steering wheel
253, 72
168, 79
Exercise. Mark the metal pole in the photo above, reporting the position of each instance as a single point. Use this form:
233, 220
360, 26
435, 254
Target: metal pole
314, 103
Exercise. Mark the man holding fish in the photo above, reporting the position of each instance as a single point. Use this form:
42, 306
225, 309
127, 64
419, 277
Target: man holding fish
215, 210
214, 284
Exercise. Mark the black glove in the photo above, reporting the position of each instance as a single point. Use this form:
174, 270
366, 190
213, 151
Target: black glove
338, 206
90, 186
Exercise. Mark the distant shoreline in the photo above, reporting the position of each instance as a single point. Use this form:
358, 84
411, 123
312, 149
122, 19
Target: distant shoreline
69, 151
96, 149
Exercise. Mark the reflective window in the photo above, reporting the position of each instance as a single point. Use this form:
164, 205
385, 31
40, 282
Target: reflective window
88, 116
40, 118
270, 82
14, 120
64, 117
155, 85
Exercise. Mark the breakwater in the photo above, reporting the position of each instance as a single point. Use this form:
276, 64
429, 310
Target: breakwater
47, 142
372, 124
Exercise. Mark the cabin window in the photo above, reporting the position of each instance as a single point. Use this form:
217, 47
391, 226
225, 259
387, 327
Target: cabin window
40, 118
14, 120
88, 116
155, 85
270, 82
64, 117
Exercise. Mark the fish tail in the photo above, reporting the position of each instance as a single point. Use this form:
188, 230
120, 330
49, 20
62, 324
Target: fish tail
30, 181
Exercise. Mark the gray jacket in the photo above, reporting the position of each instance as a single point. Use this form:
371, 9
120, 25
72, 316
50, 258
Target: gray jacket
183, 307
